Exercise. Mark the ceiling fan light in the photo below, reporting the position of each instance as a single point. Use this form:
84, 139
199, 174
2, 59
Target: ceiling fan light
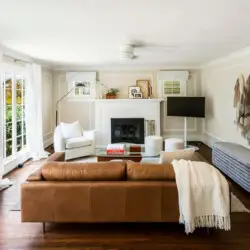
127, 48
126, 52
126, 56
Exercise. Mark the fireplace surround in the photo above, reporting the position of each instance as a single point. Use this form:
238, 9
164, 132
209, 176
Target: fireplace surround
127, 130
105, 109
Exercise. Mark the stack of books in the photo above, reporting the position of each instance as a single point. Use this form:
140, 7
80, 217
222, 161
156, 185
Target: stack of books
116, 149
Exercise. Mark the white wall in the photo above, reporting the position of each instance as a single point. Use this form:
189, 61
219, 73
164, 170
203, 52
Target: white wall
218, 81
48, 114
71, 110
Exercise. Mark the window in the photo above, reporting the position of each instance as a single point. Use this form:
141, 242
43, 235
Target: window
14, 126
171, 88
172, 83
20, 114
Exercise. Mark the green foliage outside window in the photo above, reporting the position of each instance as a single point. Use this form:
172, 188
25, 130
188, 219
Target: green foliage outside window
8, 131
8, 113
20, 115
8, 148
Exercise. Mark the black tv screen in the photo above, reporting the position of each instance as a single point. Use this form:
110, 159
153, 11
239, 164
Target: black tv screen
186, 106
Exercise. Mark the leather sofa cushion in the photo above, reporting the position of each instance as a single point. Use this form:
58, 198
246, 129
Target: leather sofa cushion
58, 156
91, 171
77, 142
149, 171
36, 175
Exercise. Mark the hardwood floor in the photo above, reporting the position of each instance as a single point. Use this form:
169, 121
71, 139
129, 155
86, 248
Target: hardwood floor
15, 235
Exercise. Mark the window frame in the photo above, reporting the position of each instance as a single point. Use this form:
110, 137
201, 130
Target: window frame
15, 73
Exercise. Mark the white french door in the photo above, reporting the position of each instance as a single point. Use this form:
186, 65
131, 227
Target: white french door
13, 133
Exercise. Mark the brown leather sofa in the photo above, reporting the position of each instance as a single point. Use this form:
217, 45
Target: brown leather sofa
99, 192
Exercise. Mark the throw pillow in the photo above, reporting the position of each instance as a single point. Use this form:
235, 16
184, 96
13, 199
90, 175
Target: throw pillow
168, 157
71, 130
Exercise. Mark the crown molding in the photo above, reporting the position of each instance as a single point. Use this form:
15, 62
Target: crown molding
118, 67
7, 52
239, 54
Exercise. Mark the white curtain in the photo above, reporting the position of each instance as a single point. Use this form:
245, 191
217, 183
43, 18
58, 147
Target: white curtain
1, 121
34, 113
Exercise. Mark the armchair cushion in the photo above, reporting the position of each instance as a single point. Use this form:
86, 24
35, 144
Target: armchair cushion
71, 130
78, 142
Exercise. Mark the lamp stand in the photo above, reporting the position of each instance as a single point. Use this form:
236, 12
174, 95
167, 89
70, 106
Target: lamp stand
59, 102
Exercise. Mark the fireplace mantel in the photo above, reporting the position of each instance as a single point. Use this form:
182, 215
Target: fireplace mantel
128, 100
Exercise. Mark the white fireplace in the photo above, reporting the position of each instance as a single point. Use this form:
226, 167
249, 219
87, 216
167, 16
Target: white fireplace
149, 109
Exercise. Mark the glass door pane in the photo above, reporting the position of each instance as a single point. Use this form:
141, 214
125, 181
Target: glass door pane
20, 118
14, 127
8, 116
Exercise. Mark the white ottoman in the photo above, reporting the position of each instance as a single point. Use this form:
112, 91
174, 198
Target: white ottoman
173, 144
153, 145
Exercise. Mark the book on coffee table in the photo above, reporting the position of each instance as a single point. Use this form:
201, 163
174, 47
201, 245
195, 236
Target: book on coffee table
115, 149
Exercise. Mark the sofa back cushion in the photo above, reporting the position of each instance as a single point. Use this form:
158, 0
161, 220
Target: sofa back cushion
149, 171
76, 171
57, 156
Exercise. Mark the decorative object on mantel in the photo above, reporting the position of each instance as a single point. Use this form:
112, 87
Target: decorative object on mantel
132, 90
145, 87
102, 94
138, 95
112, 93
242, 105
150, 94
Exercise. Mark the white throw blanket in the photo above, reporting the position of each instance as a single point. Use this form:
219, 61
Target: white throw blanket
203, 195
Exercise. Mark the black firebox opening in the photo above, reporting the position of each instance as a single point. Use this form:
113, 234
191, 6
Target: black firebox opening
130, 130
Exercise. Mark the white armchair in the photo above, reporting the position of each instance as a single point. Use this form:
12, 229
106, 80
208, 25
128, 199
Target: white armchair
74, 147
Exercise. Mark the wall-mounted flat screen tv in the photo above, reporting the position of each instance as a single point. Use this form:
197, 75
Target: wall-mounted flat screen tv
186, 106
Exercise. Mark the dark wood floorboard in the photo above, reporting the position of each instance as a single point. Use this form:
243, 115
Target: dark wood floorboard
15, 235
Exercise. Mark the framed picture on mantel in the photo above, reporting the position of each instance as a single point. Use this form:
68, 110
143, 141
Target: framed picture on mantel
132, 90
145, 87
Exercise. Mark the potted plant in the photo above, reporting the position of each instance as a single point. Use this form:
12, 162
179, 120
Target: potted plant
111, 94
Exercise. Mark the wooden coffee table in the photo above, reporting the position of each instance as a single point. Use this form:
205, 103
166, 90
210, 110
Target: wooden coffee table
132, 156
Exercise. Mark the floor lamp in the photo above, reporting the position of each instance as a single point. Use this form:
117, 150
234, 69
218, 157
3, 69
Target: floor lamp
77, 85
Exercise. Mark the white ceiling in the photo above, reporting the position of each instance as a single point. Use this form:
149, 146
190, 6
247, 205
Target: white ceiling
179, 33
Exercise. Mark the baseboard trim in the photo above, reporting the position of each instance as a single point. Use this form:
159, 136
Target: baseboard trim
12, 164
209, 139
190, 137
48, 142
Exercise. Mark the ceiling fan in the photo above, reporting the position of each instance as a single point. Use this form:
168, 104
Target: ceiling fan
127, 50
